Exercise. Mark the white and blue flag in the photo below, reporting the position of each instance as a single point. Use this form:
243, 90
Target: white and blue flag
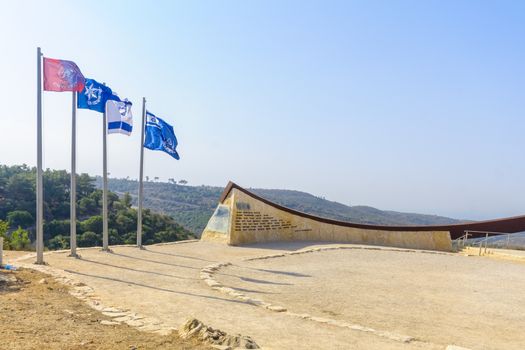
120, 119
160, 136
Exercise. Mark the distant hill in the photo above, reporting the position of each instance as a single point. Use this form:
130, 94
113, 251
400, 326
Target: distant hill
192, 206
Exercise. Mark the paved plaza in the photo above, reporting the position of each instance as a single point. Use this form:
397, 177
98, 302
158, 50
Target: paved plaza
323, 296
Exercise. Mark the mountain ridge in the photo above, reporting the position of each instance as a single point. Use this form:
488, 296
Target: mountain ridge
192, 206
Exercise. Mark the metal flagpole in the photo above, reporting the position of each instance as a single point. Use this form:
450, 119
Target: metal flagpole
39, 177
141, 175
105, 238
73, 190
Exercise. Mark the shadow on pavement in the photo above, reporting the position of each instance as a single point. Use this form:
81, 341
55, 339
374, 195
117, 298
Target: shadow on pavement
177, 255
285, 246
155, 261
135, 270
155, 288
287, 273
254, 280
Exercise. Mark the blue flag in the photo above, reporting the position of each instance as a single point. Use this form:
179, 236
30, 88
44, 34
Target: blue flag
94, 96
160, 136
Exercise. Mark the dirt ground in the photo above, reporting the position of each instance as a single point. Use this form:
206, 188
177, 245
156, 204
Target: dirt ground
38, 315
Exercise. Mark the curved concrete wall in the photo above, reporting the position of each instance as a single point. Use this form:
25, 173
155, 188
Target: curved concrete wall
243, 218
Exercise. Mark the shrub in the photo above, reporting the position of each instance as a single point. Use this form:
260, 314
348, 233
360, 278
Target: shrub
3, 233
20, 218
58, 242
93, 224
89, 239
20, 239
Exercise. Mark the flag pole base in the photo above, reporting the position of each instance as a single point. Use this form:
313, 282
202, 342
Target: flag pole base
76, 256
107, 250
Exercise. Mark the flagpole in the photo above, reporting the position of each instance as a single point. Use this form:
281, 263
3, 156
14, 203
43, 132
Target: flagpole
141, 175
39, 175
73, 190
105, 237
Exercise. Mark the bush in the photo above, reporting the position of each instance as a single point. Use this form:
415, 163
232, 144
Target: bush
3, 233
20, 218
87, 205
57, 227
89, 239
58, 242
93, 224
20, 239
114, 237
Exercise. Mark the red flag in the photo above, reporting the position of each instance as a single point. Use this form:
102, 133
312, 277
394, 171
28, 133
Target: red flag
62, 75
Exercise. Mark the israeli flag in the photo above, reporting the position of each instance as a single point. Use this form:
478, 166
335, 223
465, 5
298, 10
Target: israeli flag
160, 136
94, 96
119, 117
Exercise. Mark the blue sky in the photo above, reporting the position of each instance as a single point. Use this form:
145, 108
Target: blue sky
404, 105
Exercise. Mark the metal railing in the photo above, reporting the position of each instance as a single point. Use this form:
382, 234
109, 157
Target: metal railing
483, 243
460, 241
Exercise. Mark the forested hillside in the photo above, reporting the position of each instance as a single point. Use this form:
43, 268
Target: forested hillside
17, 212
192, 206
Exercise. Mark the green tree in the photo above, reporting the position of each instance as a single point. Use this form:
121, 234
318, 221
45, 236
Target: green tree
56, 193
85, 185
58, 242
87, 205
126, 200
20, 218
4, 226
21, 192
20, 239
57, 227
115, 237
89, 239
93, 223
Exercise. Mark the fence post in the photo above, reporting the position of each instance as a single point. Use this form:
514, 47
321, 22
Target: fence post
508, 239
1, 250
486, 243
480, 246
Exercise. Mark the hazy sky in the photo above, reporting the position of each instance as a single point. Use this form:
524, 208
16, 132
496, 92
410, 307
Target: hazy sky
403, 105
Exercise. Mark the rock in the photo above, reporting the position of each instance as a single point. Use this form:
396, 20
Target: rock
123, 318
7, 278
194, 328
135, 323
42, 281
117, 314
276, 308
320, 319
111, 309
222, 347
